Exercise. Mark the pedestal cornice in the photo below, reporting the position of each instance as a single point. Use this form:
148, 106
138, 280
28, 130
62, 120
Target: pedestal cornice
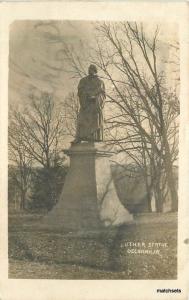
87, 148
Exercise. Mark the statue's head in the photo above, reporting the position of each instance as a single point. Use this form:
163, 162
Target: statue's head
92, 70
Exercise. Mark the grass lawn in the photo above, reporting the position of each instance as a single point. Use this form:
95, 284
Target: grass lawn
110, 254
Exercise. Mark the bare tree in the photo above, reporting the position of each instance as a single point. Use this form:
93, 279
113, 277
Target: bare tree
143, 88
70, 110
42, 129
21, 161
36, 135
144, 118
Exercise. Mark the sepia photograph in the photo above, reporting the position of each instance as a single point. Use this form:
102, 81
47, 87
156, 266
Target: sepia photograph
93, 149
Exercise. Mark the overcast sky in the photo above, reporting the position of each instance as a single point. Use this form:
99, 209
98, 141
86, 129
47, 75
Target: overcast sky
35, 62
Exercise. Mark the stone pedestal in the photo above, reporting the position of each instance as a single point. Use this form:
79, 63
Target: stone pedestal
89, 199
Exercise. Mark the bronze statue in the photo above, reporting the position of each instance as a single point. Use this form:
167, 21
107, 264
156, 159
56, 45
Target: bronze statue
91, 93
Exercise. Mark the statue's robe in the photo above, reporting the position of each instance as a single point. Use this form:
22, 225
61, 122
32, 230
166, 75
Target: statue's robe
91, 93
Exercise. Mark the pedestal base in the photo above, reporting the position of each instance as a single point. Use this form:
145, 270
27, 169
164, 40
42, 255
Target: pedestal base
89, 199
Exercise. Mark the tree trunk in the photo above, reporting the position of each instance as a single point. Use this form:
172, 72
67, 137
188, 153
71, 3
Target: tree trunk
149, 203
158, 199
171, 180
148, 190
23, 200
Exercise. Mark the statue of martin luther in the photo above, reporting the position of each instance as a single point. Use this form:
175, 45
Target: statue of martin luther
91, 93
